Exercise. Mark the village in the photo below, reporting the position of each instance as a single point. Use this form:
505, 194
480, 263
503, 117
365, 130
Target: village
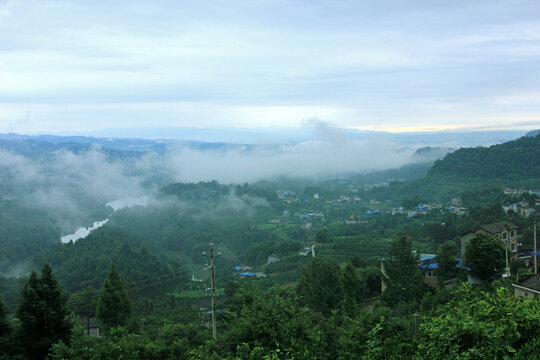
353, 209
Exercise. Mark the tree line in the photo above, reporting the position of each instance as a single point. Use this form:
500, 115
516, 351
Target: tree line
334, 312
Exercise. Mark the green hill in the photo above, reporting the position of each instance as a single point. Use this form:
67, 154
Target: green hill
87, 261
513, 160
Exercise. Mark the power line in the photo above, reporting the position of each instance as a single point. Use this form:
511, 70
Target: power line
139, 285
127, 290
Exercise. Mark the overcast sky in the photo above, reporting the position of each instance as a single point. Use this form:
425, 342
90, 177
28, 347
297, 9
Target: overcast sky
71, 67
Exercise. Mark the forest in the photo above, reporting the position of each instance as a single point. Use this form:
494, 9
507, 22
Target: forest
297, 269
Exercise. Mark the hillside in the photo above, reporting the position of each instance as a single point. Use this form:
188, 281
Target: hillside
533, 133
87, 261
513, 160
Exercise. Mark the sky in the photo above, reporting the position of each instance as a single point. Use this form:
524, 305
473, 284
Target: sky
88, 67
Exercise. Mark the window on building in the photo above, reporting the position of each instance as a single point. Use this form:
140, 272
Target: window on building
513, 233
504, 235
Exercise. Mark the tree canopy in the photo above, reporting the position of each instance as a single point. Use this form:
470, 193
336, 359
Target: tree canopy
320, 286
403, 277
485, 255
114, 305
42, 312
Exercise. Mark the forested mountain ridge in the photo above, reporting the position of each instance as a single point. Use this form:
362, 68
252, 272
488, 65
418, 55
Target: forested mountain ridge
87, 261
24, 232
518, 159
533, 133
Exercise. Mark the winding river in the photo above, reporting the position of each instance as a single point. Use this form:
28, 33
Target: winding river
115, 205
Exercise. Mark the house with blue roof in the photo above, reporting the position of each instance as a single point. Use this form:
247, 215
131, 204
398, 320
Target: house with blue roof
247, 274
428, 264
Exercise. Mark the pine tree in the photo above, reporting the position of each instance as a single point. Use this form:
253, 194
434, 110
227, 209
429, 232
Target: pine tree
403, 277
114, 305
5, 329
446, 259
42, 311
319, 286
353, 289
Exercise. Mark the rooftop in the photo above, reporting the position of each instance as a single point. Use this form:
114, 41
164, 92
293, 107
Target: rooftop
531, 282
495, 228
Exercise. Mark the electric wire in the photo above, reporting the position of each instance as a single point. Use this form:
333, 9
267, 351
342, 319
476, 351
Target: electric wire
131, 287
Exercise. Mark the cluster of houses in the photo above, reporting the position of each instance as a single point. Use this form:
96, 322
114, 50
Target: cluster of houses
454, 207
381, 184
244, 271
304, 220
521, 208
521, 191
290, 196
527, 286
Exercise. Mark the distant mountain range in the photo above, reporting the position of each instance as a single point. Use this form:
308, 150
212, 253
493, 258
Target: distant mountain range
249, 139
42, 145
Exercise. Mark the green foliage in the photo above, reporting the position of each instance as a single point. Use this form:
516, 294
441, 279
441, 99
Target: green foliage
114, 305
322, 236
447, 262
42, 311
319, 286
84, 302
5, 330
86, 262
412, 202
24, 232
403, 277
482, 195
355, 289
5, 327
262, 324
516, 159
485, 255
371, 276
377, 334
482, 326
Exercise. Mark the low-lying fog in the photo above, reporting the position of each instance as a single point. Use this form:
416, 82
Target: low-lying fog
71, 185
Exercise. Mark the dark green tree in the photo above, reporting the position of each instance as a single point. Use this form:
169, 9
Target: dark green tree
320, 286
353, 289
84, 302
322, 236
402, 275
114, 305
42, 311
269, 321
447, 262
5, 329
485, 255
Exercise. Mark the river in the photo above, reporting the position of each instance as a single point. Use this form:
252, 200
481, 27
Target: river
115, 205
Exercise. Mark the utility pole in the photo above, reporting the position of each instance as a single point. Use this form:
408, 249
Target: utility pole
507, 270
213, 289
535, 264
212, 275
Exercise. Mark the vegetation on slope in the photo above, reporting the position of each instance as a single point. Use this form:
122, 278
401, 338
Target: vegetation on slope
513, 160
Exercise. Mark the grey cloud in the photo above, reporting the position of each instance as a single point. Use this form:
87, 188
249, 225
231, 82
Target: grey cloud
388, 57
